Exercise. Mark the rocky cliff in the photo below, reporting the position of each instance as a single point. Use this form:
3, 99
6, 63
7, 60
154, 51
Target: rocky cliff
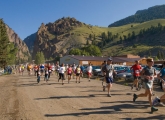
56, 39
23, 51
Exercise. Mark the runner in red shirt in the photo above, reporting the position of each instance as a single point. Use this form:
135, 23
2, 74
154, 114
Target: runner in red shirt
136, 73
69, 72
49, 70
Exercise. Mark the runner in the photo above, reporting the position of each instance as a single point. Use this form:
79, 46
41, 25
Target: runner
29, 69
162, 98
148, 73
108, 72
136, 73
50, 70
61, 73
69, 71
82, 70
35, 70
104, 79
38, 75
22, 69
74, 70
89, 72
53, 68
66, 73
78, 71
42, 67
46, 74
57, 69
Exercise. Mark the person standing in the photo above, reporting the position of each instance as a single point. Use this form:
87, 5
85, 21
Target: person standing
61, 73
89, 72
108, 71
136, 73
148, 73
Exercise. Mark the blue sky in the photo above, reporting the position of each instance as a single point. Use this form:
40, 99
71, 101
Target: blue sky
26, 16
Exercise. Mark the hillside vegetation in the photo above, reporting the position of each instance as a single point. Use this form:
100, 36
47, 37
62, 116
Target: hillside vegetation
60, 37
155, 12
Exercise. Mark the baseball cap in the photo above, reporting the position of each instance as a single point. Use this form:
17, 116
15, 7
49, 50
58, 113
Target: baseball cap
109, 59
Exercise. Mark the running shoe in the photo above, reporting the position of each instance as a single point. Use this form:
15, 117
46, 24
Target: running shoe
137, 89
153, 109
109, 95
153, 94
134, 97
131, 87
155, 101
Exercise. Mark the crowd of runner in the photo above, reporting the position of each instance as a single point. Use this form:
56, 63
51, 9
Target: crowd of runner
67, 72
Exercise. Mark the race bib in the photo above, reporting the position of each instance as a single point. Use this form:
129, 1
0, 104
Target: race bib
47, 72
50, 71
137, 71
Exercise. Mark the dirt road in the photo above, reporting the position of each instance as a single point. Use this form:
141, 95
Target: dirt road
21, 98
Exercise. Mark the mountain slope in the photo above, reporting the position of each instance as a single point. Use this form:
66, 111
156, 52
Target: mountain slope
23, 51
58, 38
30, 41
156, 12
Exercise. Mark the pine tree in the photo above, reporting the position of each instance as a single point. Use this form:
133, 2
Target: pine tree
159, 55
149, 54
162, 55
87, 43
40, 59
4, 41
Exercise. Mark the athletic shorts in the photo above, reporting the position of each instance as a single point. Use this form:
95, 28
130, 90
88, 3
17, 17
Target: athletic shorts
136, 77
89, 73
77, 74
69, 74
109, 80
148, 85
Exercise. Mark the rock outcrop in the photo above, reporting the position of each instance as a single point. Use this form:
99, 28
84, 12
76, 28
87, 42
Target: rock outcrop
23, 51
54, 39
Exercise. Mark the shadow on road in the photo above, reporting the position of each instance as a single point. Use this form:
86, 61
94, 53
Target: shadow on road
61, 97
114, 109
156, 117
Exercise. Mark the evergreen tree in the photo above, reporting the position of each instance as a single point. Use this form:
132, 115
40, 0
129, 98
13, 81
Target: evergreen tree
40, 59
159, 55
90, 36
4, 42
162, 55
87, 43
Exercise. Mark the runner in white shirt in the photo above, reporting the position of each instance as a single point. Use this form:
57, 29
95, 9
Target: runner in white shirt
66, 72
89, 71
53, 68
74, 70
61, 73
